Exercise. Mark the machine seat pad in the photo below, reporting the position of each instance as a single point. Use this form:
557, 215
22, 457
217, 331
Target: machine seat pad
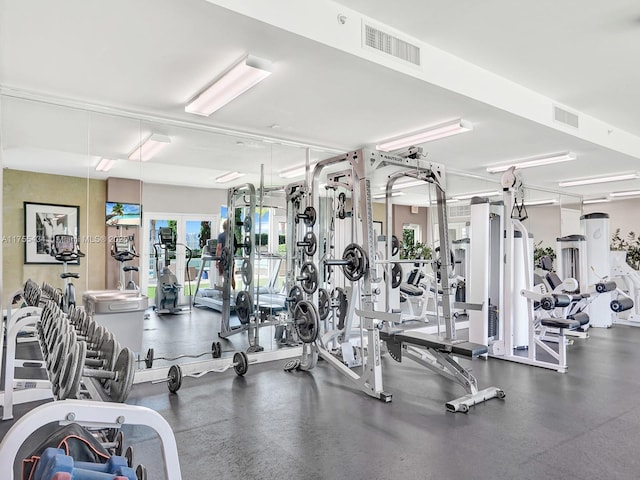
131, 268
565, 323
69, 275
411, 290
467, 349
582, 317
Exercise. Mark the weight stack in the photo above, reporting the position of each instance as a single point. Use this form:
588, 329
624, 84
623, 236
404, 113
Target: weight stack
493, 321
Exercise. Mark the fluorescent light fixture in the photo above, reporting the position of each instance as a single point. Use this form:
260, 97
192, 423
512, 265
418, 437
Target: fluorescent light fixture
105, 164
628, 193
467, 196
227, 177
594, 180
296, 171
150, 147
534, 162
432, 133
548, 201
595, 200
237, 80
383, 195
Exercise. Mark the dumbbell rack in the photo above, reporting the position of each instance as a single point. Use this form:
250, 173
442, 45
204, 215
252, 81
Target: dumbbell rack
94, 415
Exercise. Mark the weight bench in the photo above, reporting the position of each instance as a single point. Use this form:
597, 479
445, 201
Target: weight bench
436, 353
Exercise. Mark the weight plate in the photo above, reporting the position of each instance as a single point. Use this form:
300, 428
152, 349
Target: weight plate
148, 361
225, 259
124, 369
174, 382
310, 282
292, 365
311, 244
241, 363
216, 350
295, 295
341, 310
395, 245
247, 245
119, 441
248, 223
244, 306
396, 275
324, 303
359, 263
72, 372
141, 472
128, 455
306, 320
310, 216
247, 272
109, 354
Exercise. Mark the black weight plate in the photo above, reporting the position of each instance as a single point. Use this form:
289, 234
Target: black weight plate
395, 245
310, 216
128, 455
306, 320
311, 244
72, 372
359, 263
141, 472
310, 283
241, 363
295, 295
324, 303
247, 245
396, 275
247, 272
148, 361
174, 382
125, 369
244, 306
216, 350
292, 365
248, 223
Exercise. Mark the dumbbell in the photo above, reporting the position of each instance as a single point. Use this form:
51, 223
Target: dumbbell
174, 380
310, 243
308, 216
120, 378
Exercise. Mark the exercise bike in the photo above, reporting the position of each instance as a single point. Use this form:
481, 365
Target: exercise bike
123, 250
65, 250
168, 288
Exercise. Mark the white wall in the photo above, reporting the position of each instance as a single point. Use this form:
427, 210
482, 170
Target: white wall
177, 199
623, 214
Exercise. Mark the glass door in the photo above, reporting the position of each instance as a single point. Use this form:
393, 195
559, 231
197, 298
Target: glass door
198, 229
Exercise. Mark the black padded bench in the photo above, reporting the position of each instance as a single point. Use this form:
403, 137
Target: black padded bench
566, 323
466, 349
411, 290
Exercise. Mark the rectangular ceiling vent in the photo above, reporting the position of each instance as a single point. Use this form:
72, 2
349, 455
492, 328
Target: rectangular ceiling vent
562, 116
391, 45
456, 211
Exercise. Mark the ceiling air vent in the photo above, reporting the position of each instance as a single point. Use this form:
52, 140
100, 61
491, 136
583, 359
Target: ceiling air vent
567, 118
384, 42
456, 211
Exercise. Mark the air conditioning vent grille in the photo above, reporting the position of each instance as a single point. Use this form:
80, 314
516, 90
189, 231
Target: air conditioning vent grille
391, 45
562, 116
459, 211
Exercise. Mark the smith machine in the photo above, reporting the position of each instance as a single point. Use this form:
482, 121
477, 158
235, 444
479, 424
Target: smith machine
334, 310
254, 305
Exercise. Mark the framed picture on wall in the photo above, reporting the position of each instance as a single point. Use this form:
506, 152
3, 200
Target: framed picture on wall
42, 221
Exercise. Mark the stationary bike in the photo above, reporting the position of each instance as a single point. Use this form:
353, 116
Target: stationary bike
123, 250
65, 250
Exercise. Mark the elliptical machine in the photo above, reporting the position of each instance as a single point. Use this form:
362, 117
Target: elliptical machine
65, 250
168, 288
124, 250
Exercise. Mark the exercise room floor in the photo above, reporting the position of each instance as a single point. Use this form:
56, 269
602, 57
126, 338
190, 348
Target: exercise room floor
270, 424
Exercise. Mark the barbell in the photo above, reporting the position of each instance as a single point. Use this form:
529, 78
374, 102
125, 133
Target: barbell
174, 380
215, 352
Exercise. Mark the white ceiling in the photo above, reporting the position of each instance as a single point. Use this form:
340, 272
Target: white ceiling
85, 79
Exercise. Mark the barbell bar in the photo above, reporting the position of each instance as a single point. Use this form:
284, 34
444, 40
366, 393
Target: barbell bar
215, 352
240, 365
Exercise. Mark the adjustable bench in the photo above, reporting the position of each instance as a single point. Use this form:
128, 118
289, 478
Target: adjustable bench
436, 353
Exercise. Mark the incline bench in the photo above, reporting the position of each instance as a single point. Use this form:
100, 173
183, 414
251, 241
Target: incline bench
435, 353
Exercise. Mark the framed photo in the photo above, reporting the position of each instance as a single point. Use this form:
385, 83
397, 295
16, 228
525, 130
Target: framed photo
42, 221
